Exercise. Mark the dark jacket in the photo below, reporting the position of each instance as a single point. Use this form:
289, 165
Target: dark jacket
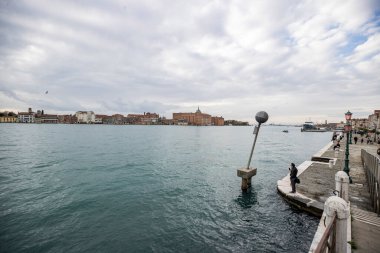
293, 172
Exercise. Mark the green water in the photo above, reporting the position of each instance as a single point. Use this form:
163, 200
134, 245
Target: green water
101, 188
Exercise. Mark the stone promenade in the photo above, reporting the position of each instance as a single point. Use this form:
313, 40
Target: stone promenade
318, 184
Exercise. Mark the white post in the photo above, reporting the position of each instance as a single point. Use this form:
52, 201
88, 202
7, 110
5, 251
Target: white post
335, 205
341, 184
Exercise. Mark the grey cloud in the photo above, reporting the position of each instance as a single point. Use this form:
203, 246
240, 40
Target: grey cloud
135, 56
121, 106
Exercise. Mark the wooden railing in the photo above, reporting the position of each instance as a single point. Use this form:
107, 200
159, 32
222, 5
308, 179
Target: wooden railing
327, 242
371, 166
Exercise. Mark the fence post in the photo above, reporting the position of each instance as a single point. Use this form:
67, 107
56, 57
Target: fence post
335, 205
341, 184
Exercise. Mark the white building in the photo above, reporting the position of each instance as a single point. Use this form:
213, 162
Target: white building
26, 117
85, 117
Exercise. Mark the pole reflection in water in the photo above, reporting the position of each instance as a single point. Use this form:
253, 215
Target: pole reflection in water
247, 199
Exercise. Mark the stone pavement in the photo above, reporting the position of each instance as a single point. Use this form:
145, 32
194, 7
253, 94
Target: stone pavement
318, 184
365, 223
318, 181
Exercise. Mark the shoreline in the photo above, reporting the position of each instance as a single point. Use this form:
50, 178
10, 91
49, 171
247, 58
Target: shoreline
300, 199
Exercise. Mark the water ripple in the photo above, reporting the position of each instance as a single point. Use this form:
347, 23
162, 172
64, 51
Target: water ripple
148, 189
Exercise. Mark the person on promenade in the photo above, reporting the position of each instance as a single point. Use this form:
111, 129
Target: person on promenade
337, 145
356, 139
362, 141
293, 177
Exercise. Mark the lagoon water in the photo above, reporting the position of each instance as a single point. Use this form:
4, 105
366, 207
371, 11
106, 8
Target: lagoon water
104, 188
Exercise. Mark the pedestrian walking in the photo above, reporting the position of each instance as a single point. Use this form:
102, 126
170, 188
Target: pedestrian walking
293, 177
362, 141
356, 139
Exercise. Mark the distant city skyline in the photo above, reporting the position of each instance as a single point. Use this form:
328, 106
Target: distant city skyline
298, 61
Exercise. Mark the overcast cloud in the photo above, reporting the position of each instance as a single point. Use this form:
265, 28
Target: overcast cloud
297, 60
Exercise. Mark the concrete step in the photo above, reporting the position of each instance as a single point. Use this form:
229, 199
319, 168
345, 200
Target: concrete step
365, 216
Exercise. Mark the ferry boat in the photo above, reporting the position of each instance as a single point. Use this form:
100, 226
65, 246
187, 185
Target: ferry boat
309, 126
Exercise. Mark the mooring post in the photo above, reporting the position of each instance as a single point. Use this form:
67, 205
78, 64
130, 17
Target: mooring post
341, 184
247, 173
339, 207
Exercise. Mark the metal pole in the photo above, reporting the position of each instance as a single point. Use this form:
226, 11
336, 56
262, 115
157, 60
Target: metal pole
253, 146
346, 160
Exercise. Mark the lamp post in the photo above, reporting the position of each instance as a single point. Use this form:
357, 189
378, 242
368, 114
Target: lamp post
247, 173
347, 129
261, 117
348, 116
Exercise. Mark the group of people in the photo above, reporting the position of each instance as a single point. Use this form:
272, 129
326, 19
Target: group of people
369, 140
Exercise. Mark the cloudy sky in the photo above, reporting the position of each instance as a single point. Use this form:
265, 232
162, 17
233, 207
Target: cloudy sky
297, 60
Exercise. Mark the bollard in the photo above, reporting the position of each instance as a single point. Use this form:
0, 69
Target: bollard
341, 184
335, 205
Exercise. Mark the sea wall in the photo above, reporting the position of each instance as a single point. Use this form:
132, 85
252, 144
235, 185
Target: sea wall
307, 203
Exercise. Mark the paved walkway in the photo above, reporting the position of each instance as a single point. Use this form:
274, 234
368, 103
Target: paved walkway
365, 223
318, 184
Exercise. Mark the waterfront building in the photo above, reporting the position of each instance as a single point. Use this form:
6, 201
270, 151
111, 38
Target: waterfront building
42, 118
26, 117
165, 121
85, 117
359, 124
116, 119
67, 119
133, 119
143, 119
46, 119
217, 121
101, 118
182, 122
196, 119
149, 118
8, 117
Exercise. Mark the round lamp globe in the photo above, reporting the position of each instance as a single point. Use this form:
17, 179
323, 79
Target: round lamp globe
261, 117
